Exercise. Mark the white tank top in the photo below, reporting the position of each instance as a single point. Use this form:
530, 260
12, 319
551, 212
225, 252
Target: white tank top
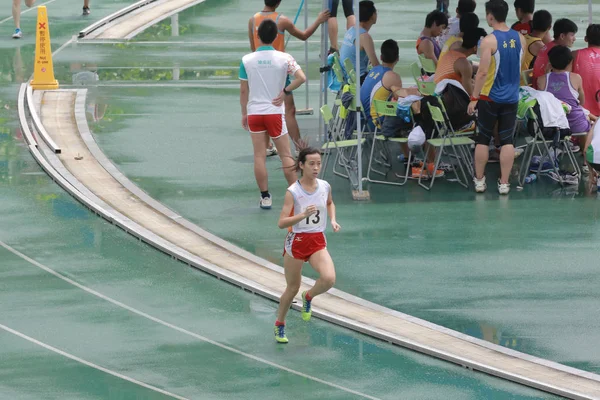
302, 199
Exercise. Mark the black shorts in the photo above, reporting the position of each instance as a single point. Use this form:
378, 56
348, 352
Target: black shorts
347, 4
490, 113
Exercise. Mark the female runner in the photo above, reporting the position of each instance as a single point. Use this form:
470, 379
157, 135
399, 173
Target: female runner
306, 206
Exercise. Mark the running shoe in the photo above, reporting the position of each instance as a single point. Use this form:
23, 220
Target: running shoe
480, 185
503, 188
280, 334
18, 34
271, 151
518, 152
573, 145
266, 203
416, 172
86, 11
306, 307
568, 178
446, 167
585, 170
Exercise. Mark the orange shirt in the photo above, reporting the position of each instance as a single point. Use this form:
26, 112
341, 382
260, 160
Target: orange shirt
445, 67
279, 43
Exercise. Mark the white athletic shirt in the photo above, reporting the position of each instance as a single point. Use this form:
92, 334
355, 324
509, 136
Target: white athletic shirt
266, 71
302, 199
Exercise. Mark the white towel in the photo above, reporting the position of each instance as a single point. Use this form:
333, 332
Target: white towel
553, 114
440, 87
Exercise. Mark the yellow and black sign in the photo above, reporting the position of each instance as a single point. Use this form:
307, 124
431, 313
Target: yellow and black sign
43, 72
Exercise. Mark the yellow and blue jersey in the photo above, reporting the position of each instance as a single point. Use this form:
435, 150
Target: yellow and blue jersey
373, 89
504, 75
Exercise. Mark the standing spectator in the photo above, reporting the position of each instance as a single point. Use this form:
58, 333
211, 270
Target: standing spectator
464, 7
435, 23
564, 35
524, 10
16, 12
332, 23
263, 89
496, 94
587, 64
368, 18
443, 6
86, 7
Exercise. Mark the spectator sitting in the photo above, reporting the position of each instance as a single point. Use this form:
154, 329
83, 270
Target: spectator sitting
567, 87
368, 18
468, 22
382, 82
455, 65
435, 23
587, 64
524, 10
541, 24
564, 35
464, 7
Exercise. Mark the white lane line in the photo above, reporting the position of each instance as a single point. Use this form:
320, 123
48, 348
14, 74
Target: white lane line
182, 330
26, 11
89, 364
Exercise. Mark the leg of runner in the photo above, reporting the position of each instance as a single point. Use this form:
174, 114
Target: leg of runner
293, 278
16, 13
260, 142
322, 263
291, 122
282, 144
86, 7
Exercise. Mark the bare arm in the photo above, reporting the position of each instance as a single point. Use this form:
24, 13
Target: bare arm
541, 82
251, 34
464, 68
331, 211
299, 79
286, 25
393, 81
488, 46
286, 219
536, 47
244, 90
578, 85
426, 48
366, 42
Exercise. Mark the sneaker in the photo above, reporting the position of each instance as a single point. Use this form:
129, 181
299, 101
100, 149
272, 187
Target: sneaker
567, 178
585, 170
86, 11
416, 173
271, 151
446, 167
18, 34
306, 307
518, 152
573, 145
503, 188
280, 334
266, 203
480, 185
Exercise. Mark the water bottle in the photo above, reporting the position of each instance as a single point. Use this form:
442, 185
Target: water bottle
531, 178
401, 158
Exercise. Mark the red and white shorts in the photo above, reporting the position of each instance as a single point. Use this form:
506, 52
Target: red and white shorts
273, 124
303, 245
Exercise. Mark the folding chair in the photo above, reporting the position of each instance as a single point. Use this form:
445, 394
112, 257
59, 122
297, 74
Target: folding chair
425, 88
350, 71
465, 153
426, 64
387, 109
344, 148
527, 76
439, 144
525, 112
